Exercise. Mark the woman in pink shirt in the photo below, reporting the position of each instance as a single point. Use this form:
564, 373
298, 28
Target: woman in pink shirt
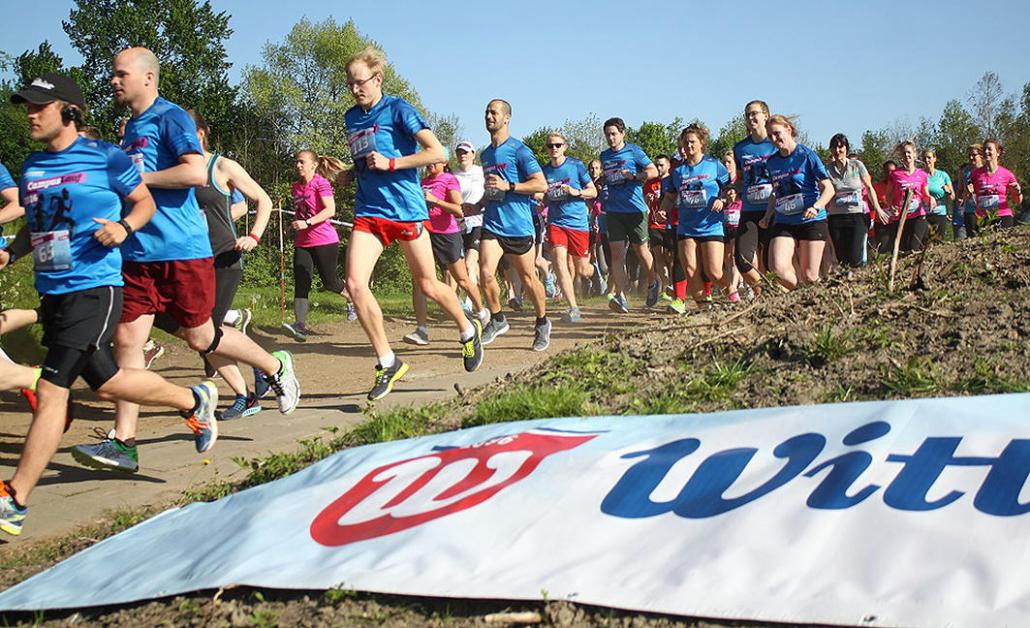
991, 186
316, 244
904, 178
443, 197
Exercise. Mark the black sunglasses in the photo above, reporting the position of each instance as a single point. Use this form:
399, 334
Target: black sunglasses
555, 145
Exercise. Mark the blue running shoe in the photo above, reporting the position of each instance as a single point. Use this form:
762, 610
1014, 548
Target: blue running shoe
203, 422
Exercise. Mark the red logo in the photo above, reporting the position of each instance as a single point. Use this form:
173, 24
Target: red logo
411, 492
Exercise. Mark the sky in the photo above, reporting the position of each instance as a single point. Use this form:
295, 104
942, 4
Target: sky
839, 66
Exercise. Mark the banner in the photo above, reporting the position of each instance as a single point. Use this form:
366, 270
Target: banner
901, 513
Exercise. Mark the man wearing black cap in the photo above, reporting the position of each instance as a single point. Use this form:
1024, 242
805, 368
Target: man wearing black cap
73, 193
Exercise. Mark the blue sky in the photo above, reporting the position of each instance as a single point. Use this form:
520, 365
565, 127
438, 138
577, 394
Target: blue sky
840, 66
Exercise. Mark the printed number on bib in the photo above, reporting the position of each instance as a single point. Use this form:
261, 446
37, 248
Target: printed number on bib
789, 205
733, 217
51, 250
852, 199
694, 198
988, 202
759, 193
615, 177
557, 194
362, 143
493, 195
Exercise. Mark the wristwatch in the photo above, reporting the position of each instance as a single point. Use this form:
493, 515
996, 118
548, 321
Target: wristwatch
511, 186
307, 221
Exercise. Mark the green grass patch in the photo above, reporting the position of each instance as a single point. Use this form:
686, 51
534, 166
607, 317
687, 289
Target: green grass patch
535, 401
988, 378
918, 376
829, 346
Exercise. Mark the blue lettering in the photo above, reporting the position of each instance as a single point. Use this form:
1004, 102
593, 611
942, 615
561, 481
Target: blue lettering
999, 494
832, 492
631, 496
909, 488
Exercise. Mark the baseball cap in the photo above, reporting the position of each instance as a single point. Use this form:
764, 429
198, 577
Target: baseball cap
48, 88
465, 145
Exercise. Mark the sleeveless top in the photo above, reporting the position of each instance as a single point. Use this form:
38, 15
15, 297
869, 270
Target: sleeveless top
215, 204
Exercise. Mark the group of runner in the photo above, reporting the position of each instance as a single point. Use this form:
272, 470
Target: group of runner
126, 238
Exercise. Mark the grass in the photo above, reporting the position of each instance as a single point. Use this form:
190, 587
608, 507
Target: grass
917, 377
829, 346
531, 402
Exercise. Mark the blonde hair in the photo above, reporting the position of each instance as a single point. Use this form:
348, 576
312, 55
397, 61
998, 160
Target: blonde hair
371, 58
782, 120
325, 166
558, 135
696, 129
899, 150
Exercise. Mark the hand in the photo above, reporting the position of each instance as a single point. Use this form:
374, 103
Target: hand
246, 243
430, 199
568, 190
933, 203
883, 217
375, 161
344, 178
718, 205
763, 223
629, 175
299, 225
110, 234
5, 258
811, 212
496, 182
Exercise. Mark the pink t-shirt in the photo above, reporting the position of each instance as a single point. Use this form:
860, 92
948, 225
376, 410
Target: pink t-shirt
440, 220
307, 201
900, 181
991, 191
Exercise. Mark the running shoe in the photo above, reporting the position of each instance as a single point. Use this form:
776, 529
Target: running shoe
109, 454
493, 329
284, 383
261, 386
677, 306
542, 335
602, 284
466, 304
652, 293
152, 350
515, 303
472, 349
572, 316
619, 304
203, 422
352, 314
747, 291
386, 378
11, 515
299, 331
241, 407
734, 297
245, 317
418, 337
550, 287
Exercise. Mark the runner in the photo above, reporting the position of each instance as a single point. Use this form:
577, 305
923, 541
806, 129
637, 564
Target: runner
470, 176
74, 191
316, 244
626, 169
168, 266
849, 227
991, 186
656, 221
801, 191
882, 233
754, 187
512, 177
599, 247
224, 177
568, 226
730, 225
695, 188
909, 177
385, 133
443, 197
941, 190
11, 209
970, 225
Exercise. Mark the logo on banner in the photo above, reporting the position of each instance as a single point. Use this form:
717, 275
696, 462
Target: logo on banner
409, 493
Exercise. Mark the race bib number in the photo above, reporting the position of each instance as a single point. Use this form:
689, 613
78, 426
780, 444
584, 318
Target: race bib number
51, 250
848, 199
914, 205
732, 216
137, 160
790, 205
988, 202
362, 143
557, 194
759, 193
693, 198
493, 195
615, 177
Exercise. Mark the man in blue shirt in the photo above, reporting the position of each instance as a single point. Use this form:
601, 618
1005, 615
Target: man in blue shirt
11, 210
626, 169
73, 192
168, 267
512, 177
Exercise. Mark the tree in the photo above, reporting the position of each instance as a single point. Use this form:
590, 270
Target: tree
985, 101
584, 137
447, 129
956, 130
877, 148
732, 132
656, 138
15, 143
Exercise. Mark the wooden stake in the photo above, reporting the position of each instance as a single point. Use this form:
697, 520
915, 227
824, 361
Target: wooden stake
897, 239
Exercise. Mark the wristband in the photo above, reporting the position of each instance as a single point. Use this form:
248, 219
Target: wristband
393, 164
254, 237
125, 225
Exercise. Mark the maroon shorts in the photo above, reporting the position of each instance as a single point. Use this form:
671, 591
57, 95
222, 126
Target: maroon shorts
185, 290
576, 242
388, 230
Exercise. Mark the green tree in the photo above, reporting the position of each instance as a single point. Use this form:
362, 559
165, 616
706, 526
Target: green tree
537, 142
956, 130
732, 132
876, 149
584, 137
656, 138
15, 143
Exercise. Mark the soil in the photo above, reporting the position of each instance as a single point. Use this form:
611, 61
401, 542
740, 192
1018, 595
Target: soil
956, 324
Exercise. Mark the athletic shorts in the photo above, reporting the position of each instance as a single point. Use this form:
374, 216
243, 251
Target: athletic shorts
731, 233
815, 231
470, 239
447, 247
540, 229
631, 227
701, 239
185, 290
575, 241
77, 331
388, 230
656, 237
519, 245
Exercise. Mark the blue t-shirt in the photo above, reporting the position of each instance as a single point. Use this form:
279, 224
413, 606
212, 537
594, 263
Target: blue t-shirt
697, 188
796, 180
969, 206
5, 178
154, 141
236, 196
563, 210
62, 193
389, 129
624, 196
509, 214
756, 185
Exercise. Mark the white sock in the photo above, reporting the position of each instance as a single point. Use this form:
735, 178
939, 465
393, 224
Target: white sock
232, 317
388, 360
484, 316
468, 333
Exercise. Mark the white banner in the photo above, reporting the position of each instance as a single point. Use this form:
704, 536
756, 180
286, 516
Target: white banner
910, 513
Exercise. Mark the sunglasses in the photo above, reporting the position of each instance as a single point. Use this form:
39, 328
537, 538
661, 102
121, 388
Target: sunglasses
558, 145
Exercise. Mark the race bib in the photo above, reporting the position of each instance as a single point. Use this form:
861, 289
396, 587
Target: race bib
988, 202
615, 177
51, 250
493, 195
556, 194
790, 205
137, 160
914, 205
850, 199
693, 198
732, 215
759, 193
362, 143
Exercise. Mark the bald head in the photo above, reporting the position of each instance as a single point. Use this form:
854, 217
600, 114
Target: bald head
142, 59
135, 78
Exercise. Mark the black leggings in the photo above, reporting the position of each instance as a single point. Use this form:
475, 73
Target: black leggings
749, 237
848, 234
913, 238
939, 224
306, 260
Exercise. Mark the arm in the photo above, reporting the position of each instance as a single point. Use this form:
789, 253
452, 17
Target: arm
240, 179
1017, 192
926, 194
649, 172
11, 210
770, 209
589, 192
322, 216
18, 249
453, 204
191, 171
142, 209
536, 183
431, 153
238, 210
